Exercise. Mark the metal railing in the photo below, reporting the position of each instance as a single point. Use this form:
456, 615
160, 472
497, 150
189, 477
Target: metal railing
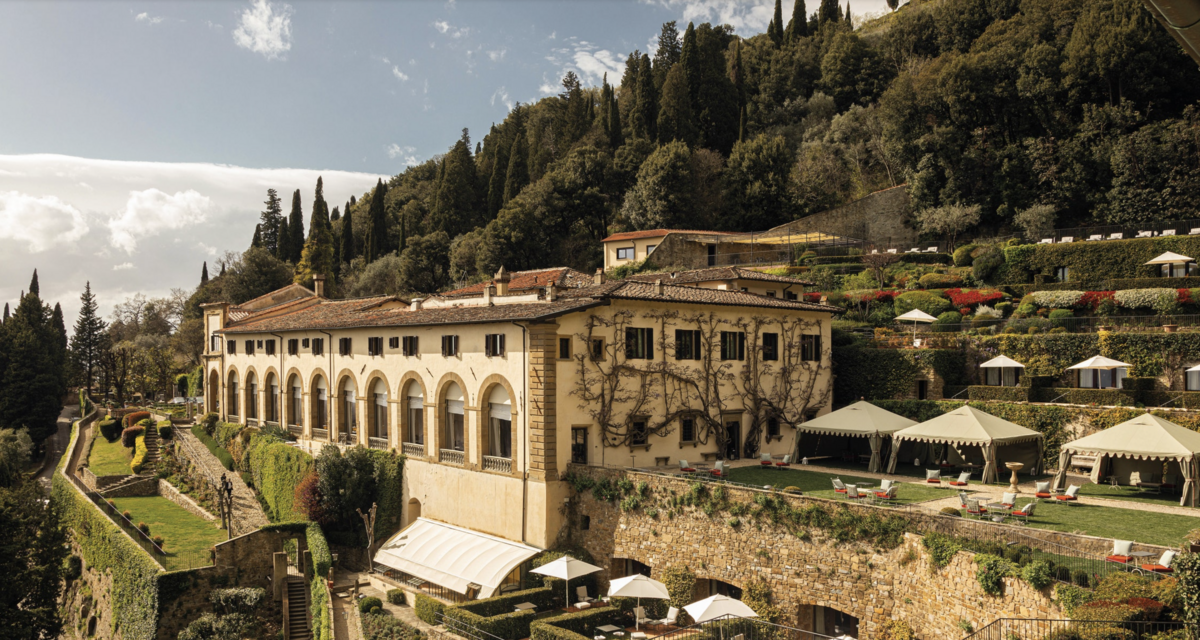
462, 629
378, 443
730, 627
413, 449
494, 463
1081, 234
450, 456
1030, 629
400, 578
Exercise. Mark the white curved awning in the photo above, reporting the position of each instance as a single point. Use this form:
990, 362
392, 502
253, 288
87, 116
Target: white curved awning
453, 557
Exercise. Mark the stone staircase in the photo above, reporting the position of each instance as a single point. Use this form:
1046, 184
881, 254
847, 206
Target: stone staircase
152, 452
297, 599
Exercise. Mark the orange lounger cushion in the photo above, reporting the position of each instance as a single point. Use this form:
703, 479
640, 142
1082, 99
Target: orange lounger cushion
1158, 568
1121, 559
1064, 498
1043, 494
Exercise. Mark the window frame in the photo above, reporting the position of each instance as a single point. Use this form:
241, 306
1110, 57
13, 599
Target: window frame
689, 344
773, 421
644, 421
345, 346
410, 345
639, 343
249, 347
450, 346
493, 345
597, 350
318, 346
770, 353
627, 253
575, 430
810, 347
231, 347
393, 342
733, 346
269, 347
565, 346
682, 439
293, 347
375, 346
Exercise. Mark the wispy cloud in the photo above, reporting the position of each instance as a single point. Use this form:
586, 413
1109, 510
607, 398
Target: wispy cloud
497, 55
400, 75
406, 154
501, 96
266, 28
124, 266
152, 211
745, 16
448, 29
39, 222
586, 59
147, 18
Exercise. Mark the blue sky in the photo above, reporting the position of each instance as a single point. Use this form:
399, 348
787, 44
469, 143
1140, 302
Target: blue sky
139, 138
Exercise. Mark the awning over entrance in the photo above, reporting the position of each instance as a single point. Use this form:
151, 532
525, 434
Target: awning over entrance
453, 557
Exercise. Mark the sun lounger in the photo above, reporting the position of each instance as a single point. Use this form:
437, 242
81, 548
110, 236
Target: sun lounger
1164, 564
1066, 239
1121, 551
931, 250
838, 486
891, 251
1047, 241
1070, 495
1098, 236
1025, 513
786, 462
1145, 234
1168, 232
1116, 236
963, 479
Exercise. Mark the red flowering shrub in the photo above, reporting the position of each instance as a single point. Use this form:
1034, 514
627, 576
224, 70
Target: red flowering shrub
135, 417
973, 297
1092, 299
966, 311
1184, 296
812, 297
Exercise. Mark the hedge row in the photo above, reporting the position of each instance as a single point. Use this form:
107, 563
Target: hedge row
139, 455
322, 559
496, 616
863, 372
135, 575
213, 447
135, 417
576, 626
322, 623
277, 470
1151, 354
427, 609
1095, 260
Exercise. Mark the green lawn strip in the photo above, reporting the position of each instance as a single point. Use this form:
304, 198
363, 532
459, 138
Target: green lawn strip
1164, 529
185, 536
1131, 494
818, 484
109, 458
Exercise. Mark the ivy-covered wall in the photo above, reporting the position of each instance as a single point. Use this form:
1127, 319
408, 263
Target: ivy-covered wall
864, 372
1151, 354
1092, 262
277, 468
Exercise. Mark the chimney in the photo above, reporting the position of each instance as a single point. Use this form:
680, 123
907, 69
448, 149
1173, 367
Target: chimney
489, 290
599, 278
416, 304
501, 281
658, 288
319, 285
551, 292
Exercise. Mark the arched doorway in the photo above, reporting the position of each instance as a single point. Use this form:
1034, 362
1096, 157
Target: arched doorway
271, 401
826, 621
378, 433
414, 510
347, 415
233, 394
414, 419
295, 416
454, 426
320, 408
251, 396
213, 392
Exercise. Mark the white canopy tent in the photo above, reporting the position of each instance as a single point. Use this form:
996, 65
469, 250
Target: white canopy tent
1172, 264
1099, 372
1002, 371
566, 568
717, 606
459, 559
838, 431
966, 428
1143, 444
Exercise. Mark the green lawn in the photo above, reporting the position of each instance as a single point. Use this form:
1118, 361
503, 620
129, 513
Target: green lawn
186, 538
1132, 494
1110, 522
820, 485
109, 458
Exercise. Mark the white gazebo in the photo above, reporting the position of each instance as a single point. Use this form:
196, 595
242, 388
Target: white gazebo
1001, 371
1172, 264
915, 316
847, 430
975, 438
1099, 372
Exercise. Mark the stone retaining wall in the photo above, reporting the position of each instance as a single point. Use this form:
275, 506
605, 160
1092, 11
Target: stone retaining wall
874, 585
142, 487
168, 491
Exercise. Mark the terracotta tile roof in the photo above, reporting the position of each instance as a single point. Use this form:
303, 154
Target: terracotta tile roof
658, 233
715, 273
563, 277
375, 312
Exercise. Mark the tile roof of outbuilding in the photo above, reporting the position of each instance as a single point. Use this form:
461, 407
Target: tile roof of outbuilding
715, 273
658, 233
564, 277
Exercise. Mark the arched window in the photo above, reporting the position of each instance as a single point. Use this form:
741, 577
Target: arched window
499, 423
297, 402
415, 434
379, 406
348, 414
320, 404
251, 396
453, 436
233, 394
271, 412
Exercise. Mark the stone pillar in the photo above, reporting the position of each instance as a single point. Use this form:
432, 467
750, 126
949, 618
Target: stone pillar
542, 418
279, 574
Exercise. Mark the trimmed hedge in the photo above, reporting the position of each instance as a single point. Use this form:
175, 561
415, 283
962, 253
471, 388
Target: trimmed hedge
496, 616
1104, 397
130, 435
576, 626
139, 455
321, 557
276, 469
368, 603
132, 419
863, 372
165, 429
427, 609
110, 429
1005, 394
322, 623
926, 258
395, 596
213, 447
1096, 261
382, 626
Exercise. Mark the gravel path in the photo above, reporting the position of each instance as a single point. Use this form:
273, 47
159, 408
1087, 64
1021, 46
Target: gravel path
247, 512
56, 444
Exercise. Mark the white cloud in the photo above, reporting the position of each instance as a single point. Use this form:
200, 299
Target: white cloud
147, 18
124, 266
446, 28
266, 28
400, 75
592, 65
407, 154
745, 16
497, 55
501, 95
442, 26
549, 86
39, 222
152, 211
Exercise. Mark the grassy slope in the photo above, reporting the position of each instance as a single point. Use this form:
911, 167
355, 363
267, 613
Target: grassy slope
109, 458
819, 485
183, 533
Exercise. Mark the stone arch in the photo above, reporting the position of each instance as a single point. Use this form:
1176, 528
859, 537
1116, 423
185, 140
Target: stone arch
827, 618
414, 511
213, 391
443, 420
318, 400
292, 411
412, 424
378, 416
495, 438
272, 401
232, 390
708, 585
345, 408
251, 386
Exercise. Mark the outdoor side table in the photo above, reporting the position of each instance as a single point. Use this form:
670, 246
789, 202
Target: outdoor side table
525, 606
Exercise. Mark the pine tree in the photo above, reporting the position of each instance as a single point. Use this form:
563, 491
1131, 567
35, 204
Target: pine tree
573, 122
335, 215
645, 108
667, 54
88, 337
203, 276
690, 61
455, 210
296, 227
33, 285
742, 125
675, 121
775, 29
349, 249
517, 175
375, 245
828, 12
58, 348
30, 380
269, 222
737, 76
798, 27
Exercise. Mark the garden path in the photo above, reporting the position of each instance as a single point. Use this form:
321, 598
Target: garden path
56, 444
247, 512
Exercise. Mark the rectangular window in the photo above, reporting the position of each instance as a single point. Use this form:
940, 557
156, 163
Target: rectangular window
687, 344
687, 429
293, 347
453, 437
596, 349
650, 249
1062, 274
270, 344
625, 254
579, 448
564, 348
771, 293
449, 346
638, 433
259, 344
493, 344
318, 346
772, 427
249, 347
733, 345
344, 346
810, 348
639, 344
214, 343
416, 420
304, 343
770, 346
374, 346
789, 295
394, 342
410, 345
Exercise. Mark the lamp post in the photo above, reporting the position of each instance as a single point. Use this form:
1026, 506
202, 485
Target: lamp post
225, 504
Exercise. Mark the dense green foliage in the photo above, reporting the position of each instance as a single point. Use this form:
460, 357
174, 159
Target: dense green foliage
33, 357
33, 551
575, 626
320, 615
351, 482
381, 626
276, 468
428, 609
869, 373
496, 616
213, 447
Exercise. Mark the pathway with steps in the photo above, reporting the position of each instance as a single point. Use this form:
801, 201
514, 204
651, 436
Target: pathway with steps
247, 512
300, 628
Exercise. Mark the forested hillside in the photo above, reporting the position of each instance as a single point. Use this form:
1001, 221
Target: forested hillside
1084, 108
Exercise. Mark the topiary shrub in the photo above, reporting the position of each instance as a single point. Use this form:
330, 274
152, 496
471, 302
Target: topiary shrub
395, 596
145, 423
157, 540
1081, 578
368, 603
208, 422
110, 429
962, 255
139, 455
129, 436
1106, 611
940, 280
132, 419
928, 302
428, 609
127, 515
948, 322
986, 264
165, 430
144, 528
952, 512
1069, 597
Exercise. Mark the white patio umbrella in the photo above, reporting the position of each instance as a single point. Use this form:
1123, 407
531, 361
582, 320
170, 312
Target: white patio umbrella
566, 568
714, 607
915, 316
1004, 364
1170, 258
638, 586
1100, 362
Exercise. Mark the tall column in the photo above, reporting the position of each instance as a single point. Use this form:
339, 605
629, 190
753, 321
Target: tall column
542, 417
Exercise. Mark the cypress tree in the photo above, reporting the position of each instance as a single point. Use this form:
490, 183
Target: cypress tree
742, 124
335, 215
645, 108
284, 251
375, 244
316, 256
256, 242
269, 222
667, 53
616, 138
296, 227
495, 196
517, 175
348, 250
455, 209
690, 61
6, 316
88, 338
203, 277
849, 18
798, 27
775, 29
58, 348
31, 376
828, 12
33, 285
675, 110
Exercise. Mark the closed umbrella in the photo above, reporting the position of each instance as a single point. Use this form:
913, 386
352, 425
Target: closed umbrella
566, 568
638, 586
717, 606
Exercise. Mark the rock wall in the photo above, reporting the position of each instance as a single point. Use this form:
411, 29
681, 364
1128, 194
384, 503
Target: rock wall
141, 487
877, 219
168, 491
873, 585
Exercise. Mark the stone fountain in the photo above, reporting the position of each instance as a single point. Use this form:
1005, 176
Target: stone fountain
1014, 467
